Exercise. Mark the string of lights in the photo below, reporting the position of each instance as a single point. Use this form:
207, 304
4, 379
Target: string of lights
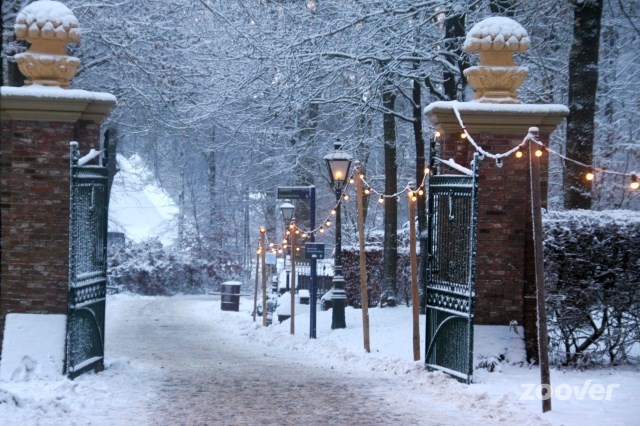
517, 150
413, 193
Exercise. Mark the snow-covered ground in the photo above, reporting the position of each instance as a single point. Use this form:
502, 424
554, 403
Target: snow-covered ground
123, 393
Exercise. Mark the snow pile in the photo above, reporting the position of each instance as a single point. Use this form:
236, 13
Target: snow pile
128, 388
138, 206
33, 347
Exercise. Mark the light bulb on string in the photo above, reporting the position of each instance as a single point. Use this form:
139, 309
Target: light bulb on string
426, 171
333, 212
499, 162
345, 197
381, 199
635, 181
367, 191
540, 151
589, 176
463, 135
304, 235
437, 134
519, 153
328, 223
321, 230
421, 192
352, 181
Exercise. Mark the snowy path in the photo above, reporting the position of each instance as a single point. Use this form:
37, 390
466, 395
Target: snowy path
198, 373
182, 361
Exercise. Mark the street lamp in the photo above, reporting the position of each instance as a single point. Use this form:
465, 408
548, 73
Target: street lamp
287, 209
338, 163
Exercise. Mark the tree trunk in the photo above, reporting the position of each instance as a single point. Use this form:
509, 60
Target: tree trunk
390, 281
503, 7
583, 84
362, 153
210, 164
420, 165
111, 146
303, 176
454, 36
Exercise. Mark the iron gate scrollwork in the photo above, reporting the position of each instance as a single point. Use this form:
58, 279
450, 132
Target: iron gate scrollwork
451, 273
87, 266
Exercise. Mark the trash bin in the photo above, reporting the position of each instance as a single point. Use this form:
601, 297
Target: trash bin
304, 296
230, 296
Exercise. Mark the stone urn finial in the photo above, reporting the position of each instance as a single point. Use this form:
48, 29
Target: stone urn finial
497, 77
49, 26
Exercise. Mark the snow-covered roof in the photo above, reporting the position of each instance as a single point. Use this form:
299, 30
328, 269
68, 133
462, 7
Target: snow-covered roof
138, 206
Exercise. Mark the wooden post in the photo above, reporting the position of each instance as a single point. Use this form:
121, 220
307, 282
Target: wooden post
292, 290
543, 350
255, 291
263, 250
415, 299
363, 261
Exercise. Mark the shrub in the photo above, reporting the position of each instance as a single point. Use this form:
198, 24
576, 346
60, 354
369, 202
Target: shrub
375, 293
592, 273
148, 268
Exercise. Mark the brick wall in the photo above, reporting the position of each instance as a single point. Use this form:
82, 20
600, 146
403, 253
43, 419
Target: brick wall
34, 206
505, 274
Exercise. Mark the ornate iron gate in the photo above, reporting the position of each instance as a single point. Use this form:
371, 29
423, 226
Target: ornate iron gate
87, 266
450, 286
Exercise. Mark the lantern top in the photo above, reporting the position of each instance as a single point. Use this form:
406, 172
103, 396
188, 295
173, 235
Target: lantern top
338, 154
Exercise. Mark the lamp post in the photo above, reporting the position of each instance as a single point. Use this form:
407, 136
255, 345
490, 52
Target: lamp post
338, 163
287, 210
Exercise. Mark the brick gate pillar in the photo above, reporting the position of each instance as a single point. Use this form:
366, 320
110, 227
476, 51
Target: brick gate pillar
498, 122
37, 123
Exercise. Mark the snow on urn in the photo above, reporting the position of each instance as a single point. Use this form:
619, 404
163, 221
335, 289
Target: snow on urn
49, 26
497, 77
